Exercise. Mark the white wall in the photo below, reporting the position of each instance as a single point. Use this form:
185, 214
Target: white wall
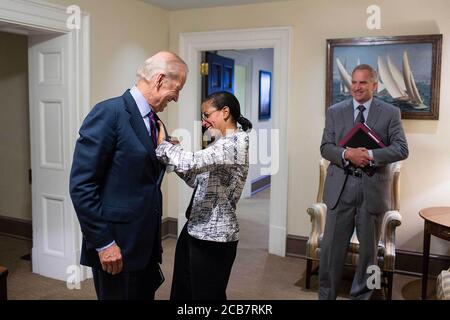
425, 175
123, 35
15, 189
260, 147
262, 61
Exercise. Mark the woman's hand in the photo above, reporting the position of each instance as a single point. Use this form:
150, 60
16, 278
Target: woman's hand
174, 140
162, 133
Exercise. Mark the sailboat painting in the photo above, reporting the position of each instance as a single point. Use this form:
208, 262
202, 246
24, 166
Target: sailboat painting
408, 72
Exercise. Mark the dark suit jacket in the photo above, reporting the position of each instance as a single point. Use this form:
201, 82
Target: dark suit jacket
385, 120
115, 184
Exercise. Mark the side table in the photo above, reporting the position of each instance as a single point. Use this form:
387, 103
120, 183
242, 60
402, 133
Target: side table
437, 223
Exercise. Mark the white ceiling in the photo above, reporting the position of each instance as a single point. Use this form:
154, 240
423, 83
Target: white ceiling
193, 4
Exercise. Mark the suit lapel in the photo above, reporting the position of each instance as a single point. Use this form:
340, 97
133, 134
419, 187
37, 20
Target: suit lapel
161, 166
374, 114
348, 116
137, 123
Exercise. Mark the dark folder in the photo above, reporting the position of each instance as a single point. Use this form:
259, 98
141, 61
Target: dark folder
362, 136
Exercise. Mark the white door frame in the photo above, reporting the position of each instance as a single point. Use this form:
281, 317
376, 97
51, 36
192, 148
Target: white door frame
50, 17
279, 38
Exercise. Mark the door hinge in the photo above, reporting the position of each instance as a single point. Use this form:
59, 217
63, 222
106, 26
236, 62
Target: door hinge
30, 179
204, 69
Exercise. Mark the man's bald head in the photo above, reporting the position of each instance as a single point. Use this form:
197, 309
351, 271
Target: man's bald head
165, 62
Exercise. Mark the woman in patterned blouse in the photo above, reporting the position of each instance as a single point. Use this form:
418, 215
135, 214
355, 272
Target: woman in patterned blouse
206, 247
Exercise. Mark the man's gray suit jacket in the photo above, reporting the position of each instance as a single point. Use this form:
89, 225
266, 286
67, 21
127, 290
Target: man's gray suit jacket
385, 120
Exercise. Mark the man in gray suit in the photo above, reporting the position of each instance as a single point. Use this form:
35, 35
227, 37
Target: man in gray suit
352, 197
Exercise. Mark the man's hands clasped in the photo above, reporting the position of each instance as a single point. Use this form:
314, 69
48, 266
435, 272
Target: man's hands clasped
358, 156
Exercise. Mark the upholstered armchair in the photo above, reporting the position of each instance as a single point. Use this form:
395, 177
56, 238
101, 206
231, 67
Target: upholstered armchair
386, 247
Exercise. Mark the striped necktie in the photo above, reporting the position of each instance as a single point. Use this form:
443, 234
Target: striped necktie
360, 117
151, 117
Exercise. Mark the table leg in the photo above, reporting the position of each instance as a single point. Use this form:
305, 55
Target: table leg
426, 256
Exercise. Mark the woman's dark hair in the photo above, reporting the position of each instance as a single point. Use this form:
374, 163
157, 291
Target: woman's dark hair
225, 99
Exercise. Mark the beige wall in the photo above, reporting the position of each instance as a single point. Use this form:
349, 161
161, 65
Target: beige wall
122, 35
425, 175
15, 190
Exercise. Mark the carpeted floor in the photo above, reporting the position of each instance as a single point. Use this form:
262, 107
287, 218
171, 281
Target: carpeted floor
256, 274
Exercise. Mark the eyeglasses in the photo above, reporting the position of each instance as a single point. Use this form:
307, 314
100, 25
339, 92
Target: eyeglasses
206, 115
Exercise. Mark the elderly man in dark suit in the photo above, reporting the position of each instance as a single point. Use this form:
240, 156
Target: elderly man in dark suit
352, 197
115, 183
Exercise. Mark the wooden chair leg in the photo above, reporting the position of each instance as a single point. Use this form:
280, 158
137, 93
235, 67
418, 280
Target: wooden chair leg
309, 263
3, 287
390, 280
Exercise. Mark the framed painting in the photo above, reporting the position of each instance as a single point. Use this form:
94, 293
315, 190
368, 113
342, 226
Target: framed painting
408, 67
265, 95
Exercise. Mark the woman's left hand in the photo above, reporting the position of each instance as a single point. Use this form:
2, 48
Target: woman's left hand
174, 140
162, 133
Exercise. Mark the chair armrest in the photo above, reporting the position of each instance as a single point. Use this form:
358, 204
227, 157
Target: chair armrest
317, 212
391, 220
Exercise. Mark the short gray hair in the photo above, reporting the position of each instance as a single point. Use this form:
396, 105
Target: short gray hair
167, 63
372, 71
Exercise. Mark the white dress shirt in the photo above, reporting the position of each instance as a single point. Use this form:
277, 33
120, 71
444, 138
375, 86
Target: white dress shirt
356, 104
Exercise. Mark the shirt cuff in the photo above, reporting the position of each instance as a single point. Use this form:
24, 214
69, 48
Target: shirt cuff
372, 162
344, 162
105, 247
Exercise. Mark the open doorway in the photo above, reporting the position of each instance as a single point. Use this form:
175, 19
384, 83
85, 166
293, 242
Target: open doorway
238, 71
279, 39
34, 130
15, 158
46, 98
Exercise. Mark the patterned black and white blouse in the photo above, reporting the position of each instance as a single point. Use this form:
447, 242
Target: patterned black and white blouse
218, 172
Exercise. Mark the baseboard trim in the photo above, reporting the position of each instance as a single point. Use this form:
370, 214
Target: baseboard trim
16, 227
411, 261
296, 246
406, 262
23, 228
260, 184
169, 228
